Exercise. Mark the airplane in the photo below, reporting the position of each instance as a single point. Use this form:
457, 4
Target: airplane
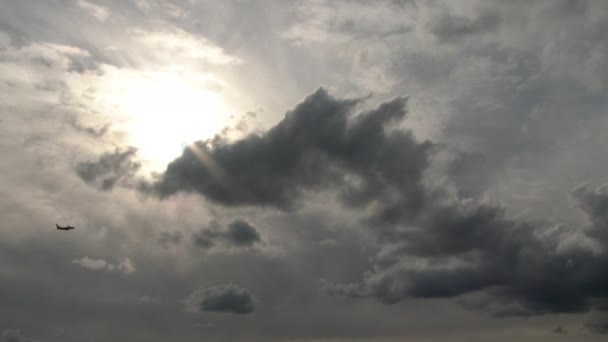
68, 227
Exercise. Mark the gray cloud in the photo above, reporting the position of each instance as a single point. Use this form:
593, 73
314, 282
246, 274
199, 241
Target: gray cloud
13, 336
111, 168
454, 248
447, 27
432, 244
521, 97
224, 298
594, 203
320, 143
167, 239
597, 325
242, 234
559, 330
239, 233
96, 132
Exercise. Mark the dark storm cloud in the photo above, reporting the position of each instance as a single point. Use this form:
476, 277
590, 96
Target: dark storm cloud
224, 298
460, 247
239, 233
110, 169
319, 144
431, 244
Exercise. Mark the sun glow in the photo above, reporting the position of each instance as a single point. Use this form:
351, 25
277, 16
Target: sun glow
165, 111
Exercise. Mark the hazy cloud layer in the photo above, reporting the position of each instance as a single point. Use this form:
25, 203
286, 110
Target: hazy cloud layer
460, 205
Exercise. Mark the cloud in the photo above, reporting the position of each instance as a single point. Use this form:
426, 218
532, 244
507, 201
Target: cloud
166, 8
101, 13
224, 298
125, 266
559, 330
239, 233
149, 300
594, 203
176, 42
320, 144
91, 131
505, 91
13, 336
242, 234
92, 264
111, 168
447, 27
457, 247
169, 238
597, 325
432, 244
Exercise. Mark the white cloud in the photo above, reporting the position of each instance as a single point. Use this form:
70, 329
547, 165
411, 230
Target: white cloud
92, 264
125, 266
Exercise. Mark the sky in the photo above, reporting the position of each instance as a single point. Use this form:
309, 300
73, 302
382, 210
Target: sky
399, 170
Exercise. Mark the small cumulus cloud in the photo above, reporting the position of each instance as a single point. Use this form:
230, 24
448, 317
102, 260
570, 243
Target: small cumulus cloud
224, 298
239, 233
125, 266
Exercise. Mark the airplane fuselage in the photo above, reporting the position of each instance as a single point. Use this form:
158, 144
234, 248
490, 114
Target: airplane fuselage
64, 228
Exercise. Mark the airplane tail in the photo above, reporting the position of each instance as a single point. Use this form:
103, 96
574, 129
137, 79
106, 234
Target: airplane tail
57, 225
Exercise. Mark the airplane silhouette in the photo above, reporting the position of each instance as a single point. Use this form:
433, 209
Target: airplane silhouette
64, 228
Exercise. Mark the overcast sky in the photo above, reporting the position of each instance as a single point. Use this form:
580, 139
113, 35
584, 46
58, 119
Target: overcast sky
303, 170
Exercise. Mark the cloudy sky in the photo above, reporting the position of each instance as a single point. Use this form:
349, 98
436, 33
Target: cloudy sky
303, 170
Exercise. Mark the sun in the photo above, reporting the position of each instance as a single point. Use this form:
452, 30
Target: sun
162, 112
